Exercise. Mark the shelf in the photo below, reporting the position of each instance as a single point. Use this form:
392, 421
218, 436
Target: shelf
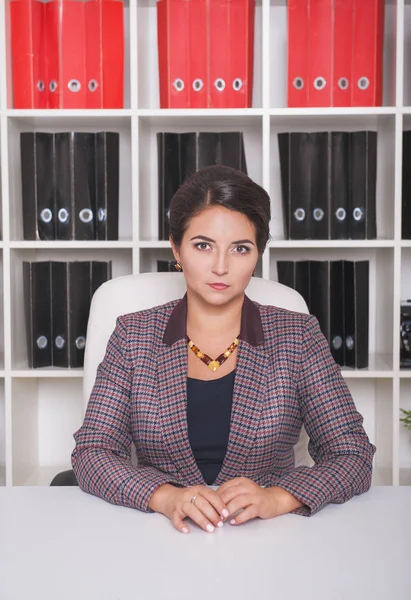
72, 245
380, 367
46, 373
334, 111
378, 243
405, 374
60, 113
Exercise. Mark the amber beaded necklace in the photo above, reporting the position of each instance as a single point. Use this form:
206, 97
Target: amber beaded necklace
217, 362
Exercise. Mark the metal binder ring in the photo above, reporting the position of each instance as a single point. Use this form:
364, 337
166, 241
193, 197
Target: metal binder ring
198, 85
92, 85
46, 215
219, 84
298, 83
40, 85
86, 215
349, 342
60, 342
178, 84
63, 215
341, 213
363, 83
74, 85
237, 84
343, 83
358, 214
53, 85
42, 342
318, 214
337, 342
102, 215
80, 342
299, 214
320, 83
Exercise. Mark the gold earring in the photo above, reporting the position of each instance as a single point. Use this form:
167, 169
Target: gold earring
178, 266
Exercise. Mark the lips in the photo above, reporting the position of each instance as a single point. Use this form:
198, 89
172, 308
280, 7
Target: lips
218, 286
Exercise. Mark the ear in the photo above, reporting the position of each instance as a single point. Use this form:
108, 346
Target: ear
176, 253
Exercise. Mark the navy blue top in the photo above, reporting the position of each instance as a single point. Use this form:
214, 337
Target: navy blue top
208, 419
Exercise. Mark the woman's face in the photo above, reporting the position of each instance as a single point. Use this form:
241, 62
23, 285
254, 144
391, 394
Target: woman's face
218, 247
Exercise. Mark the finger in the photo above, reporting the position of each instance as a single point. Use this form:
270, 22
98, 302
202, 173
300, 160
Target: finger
241, 502
246, 515
229, 494
208, 511
180, 525
198, 517
216, 502
228, 484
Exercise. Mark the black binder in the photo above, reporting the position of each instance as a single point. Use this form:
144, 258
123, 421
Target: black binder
406, 186
336, 303
107, 180
169, 178
320, 179
64, 189
166, 266
340, 186
37, 299
286, 273
38, 185
79, 284
60, 313
83, 184
100, 273
363, 183
356, 313
319, 277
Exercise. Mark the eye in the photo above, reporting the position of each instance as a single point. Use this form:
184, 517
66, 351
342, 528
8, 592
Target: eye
242, 249
202, 245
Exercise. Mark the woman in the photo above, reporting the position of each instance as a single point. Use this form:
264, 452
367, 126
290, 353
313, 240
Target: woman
214, 388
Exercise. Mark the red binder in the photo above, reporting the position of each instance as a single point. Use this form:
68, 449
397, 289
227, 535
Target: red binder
298, 54
27, 54
342, 52
220, 44
112, 59
94, 74
173, 50
320, 43
67, 18
52, 54
366, 89
240, 66
198, 83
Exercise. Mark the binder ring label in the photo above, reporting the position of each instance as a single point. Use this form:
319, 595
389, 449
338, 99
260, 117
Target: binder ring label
343, 83
341, 213
53, 85
320, 83
318, 214
337, 342
299, 214
60, 342
63, 215
46, 215
80, 342
178, 84
363, 83
219, 84
74, 85
40, 85
86, 215
298, 83
198, 85
237, 84
102, 215
358, 214
349, 342
92, 85
42, 342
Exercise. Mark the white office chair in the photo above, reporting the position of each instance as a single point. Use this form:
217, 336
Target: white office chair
137, 292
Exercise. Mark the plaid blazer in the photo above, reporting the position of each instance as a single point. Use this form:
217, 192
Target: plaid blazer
285, 377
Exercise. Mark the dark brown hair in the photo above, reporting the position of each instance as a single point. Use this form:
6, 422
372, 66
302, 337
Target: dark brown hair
220, 186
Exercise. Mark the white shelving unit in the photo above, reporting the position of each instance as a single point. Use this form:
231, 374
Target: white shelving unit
41, 409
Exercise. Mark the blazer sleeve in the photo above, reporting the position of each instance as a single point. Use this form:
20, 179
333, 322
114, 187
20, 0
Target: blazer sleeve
101, 459
339, 446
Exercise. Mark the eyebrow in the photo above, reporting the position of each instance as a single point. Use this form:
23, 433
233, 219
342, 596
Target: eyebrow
207, 239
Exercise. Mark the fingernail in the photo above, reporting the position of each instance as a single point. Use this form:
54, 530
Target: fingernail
185, 530
220, 524
232, 522
225, 512
210, 528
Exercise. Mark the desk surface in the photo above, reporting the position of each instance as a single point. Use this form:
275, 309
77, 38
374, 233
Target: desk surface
60, 543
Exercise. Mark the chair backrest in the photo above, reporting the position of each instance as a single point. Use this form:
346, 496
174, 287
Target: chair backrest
132, 293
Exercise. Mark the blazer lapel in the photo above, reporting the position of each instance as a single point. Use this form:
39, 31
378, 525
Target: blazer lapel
172, 388
250, 387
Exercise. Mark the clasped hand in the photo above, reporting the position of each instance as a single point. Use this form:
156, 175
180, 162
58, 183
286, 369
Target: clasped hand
211, 509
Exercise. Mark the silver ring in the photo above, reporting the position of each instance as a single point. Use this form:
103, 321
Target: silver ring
193, 499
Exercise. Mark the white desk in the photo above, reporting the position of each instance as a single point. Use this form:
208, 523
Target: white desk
60, 543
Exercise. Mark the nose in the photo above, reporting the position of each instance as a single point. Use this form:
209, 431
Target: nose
220, 266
